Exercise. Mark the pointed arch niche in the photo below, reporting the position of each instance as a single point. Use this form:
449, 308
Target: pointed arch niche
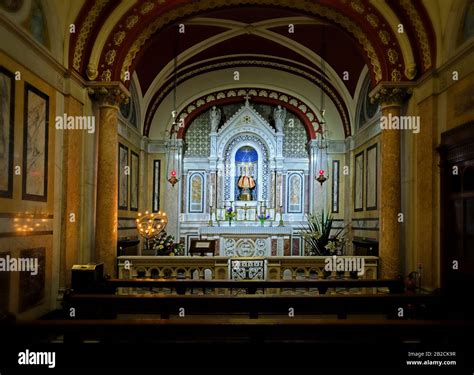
246, 128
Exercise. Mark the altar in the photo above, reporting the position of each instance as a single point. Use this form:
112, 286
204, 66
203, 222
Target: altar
249, 241
247, 169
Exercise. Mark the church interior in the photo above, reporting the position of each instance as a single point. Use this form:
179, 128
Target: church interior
225, 171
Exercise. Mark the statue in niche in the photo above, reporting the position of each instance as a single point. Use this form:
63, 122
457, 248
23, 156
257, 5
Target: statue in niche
246, 183
215, 118
279, 115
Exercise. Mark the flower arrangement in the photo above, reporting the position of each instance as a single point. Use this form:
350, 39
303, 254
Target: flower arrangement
262, 218
317, 236
164, 245
230, 213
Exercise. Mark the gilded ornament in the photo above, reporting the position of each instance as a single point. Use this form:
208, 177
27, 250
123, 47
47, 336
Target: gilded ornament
109, 95
410, 71
106, 75
92, 72
146, 7
388, 95
392, 55
85, 31
118, 38
131, 21
373, 20
396, 75
420, 31
357, 6
110, 56
384, 36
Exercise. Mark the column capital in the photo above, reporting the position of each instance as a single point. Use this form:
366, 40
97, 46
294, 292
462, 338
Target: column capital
390, 94
109, 94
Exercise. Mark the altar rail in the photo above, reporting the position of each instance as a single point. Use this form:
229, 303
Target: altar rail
251, 286
217, 267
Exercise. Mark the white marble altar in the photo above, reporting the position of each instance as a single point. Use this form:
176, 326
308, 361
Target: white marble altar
249, 241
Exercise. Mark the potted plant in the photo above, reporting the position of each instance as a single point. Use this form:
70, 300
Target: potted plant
317, 235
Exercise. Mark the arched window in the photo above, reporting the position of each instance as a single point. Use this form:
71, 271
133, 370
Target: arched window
367, 110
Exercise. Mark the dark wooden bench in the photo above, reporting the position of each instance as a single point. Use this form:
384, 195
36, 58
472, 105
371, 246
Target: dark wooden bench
223, 330
109, 306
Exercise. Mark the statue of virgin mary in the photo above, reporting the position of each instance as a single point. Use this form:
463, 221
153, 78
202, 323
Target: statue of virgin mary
245, 183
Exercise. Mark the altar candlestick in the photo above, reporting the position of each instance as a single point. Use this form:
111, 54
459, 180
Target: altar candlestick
281, 223
210, 194
210, 217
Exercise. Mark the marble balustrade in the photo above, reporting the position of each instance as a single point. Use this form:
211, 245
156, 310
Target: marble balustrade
217, 267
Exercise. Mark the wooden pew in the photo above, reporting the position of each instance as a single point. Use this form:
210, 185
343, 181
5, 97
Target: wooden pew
245, 330
109, 306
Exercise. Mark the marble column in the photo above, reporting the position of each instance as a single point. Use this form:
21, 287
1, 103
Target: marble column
211, 192
108, 96
390, 97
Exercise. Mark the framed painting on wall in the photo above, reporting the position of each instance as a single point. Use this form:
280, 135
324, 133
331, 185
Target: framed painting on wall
295, 193
7, 112
35, 145
371, 178
32, 287
134, 173
196, 193
359, 182
156, 186
4, 285
123, 170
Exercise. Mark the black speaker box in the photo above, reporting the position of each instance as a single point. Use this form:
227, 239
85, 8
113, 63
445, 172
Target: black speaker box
86, 278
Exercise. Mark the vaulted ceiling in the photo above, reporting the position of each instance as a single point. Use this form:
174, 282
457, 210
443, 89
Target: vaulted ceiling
328, 43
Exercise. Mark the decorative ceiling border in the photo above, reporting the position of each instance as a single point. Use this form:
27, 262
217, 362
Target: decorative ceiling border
114, 67
310, 120
318, 81
416, 18
87, 25
161, 12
